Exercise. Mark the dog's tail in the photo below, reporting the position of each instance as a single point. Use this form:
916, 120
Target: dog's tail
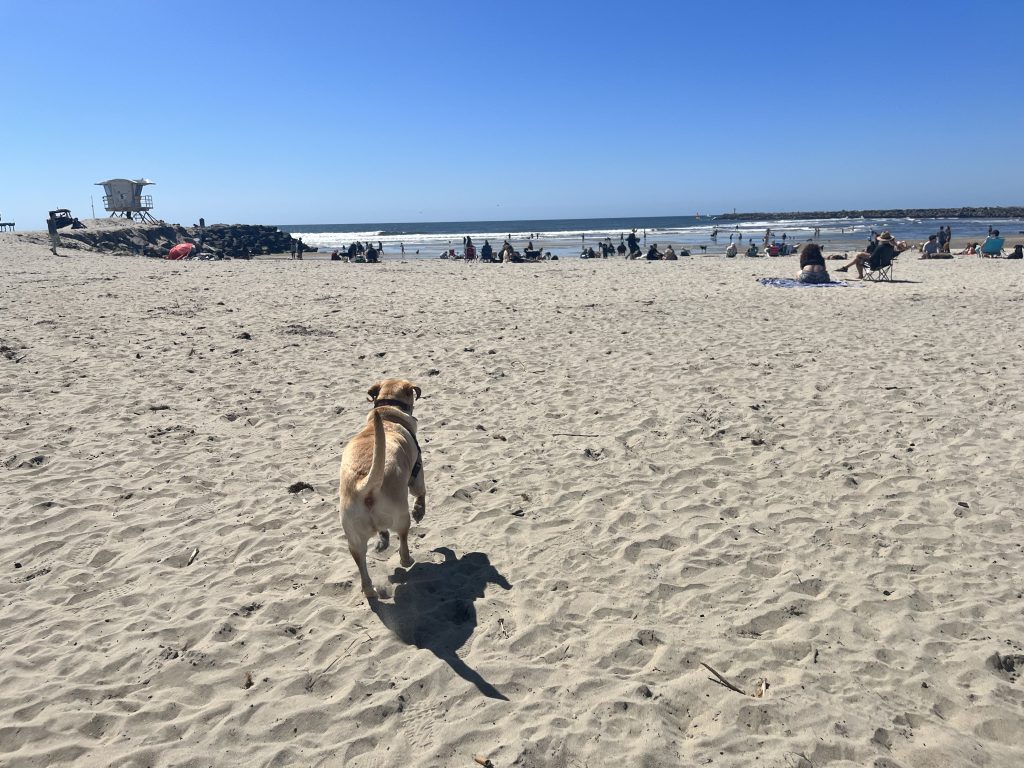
375, 478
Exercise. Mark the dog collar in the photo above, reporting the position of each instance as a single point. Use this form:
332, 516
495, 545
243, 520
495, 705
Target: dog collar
394, 404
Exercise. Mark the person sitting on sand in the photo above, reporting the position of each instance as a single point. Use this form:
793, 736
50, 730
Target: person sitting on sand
812, 265
732, 250
1018, 252
653, 254
486, 252
752, 250
970, 250
881, 256
931, 248
670, 255
371, 255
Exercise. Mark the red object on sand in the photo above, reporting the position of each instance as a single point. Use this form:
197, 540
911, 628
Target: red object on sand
180, 251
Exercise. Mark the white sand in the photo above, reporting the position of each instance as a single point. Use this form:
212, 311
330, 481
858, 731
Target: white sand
668, 463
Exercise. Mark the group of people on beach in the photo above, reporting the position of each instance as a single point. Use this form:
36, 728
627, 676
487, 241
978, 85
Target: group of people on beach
992, 247
506, 255
879, 252
358, 253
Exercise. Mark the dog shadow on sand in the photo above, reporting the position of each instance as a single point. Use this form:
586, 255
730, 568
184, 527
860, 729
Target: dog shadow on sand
433, 608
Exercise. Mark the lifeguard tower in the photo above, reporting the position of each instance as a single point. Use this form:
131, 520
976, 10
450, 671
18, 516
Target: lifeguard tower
123, 197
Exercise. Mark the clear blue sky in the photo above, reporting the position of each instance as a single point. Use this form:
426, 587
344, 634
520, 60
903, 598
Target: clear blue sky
317, 112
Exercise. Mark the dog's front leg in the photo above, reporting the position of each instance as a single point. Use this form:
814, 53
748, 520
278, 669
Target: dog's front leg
418, 488
419, 508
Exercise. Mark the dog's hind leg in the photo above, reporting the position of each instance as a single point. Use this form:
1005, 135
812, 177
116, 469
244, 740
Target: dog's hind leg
403, 542
359, 555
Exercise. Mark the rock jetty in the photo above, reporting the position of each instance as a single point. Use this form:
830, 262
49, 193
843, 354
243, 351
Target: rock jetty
1003, 212
232, 241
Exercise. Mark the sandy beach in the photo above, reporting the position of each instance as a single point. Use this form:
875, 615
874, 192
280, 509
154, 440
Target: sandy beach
632, 469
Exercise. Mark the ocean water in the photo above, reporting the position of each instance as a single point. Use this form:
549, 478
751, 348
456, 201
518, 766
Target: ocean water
566, 237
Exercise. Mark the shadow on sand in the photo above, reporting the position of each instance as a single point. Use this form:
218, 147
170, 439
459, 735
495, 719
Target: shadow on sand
433, 608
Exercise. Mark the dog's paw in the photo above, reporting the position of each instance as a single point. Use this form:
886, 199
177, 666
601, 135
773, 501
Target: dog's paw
407, 562
382, 541
419, 510
376, 593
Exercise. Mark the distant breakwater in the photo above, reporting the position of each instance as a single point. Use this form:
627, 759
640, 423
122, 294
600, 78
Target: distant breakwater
999, 212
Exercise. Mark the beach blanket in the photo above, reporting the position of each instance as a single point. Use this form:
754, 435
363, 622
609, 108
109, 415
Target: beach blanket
788, 282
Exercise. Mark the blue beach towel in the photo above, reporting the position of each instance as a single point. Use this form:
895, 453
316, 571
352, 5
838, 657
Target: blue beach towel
788, 282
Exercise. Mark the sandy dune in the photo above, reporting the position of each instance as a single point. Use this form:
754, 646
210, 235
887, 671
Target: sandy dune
632, 468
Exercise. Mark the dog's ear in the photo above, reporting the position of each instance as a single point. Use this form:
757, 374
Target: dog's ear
373, 392
417, 391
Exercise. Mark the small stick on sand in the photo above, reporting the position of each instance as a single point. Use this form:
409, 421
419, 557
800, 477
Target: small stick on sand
484, 761
193, 556
722, 679
571, 434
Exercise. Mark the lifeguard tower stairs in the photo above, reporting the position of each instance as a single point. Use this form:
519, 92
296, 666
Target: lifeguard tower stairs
123, 197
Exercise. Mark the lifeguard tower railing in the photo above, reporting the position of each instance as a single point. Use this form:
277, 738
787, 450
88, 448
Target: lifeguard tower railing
143, 203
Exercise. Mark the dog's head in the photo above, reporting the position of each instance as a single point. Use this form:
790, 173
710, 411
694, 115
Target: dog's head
397, 390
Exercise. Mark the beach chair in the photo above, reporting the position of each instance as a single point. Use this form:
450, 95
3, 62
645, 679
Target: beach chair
883, 274
993, 247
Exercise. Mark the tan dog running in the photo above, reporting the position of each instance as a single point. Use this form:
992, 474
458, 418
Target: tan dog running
380, 468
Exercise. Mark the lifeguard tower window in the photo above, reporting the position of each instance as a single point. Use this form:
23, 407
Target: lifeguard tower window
123, 197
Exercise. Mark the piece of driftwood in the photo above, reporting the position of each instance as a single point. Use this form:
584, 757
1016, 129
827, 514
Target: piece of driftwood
484, 761
722, 679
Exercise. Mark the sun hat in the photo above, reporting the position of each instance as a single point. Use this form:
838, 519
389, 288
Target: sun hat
885, 236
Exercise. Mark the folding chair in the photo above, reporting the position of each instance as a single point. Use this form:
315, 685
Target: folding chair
882, 274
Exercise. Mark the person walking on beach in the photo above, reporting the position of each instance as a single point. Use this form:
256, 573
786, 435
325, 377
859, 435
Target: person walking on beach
51, 228
949, 238
299, 248
634, 244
